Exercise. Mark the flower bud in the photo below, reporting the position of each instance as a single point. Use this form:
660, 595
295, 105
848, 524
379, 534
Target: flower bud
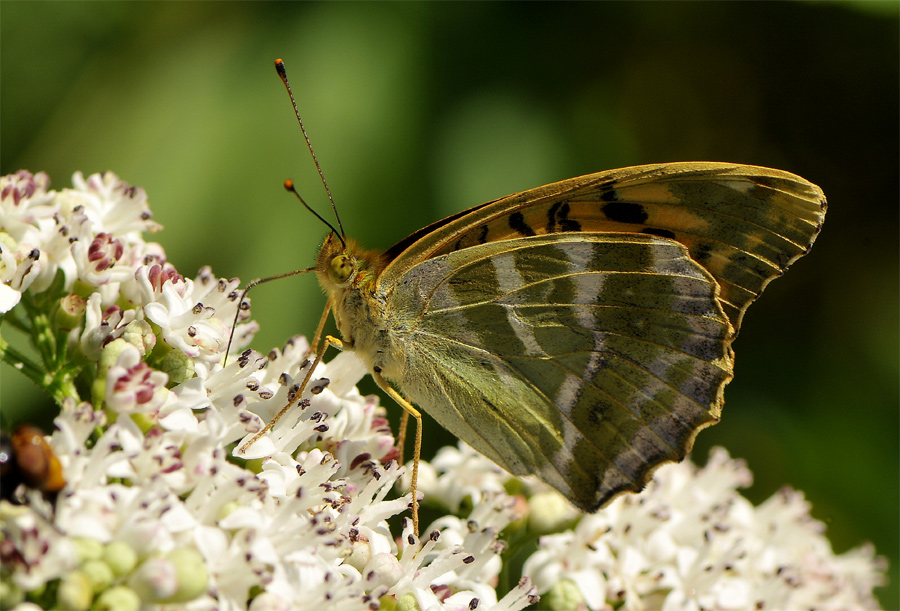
120, 557
407, 602
75, 592
383, 569
111, 352
563, 595
119, 598
178, 365
10, 594
193, 577
139, 334
70, 314
88, 549
360, 555
155, 580
99, 574
549, 512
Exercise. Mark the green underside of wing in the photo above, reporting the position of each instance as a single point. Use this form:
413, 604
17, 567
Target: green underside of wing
582, 330
585, 359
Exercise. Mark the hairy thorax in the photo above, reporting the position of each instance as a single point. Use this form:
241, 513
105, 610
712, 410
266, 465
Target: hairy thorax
360, 312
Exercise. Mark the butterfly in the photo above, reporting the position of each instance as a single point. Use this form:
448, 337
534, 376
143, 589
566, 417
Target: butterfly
581, 331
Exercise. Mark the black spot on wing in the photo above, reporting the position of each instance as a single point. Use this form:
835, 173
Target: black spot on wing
558, 219
466, 240
598, 414
570, 225
517, 222
551, 217
701, 252
565, 222
625, 212
607, 192
663, 233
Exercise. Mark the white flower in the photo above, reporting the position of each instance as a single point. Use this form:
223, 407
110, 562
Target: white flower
100, 326
132, 385
83, 231
18, 270
195, 316
291, 531
24, 203
460, 472
33, 551
97, 260
690, 541
112, 205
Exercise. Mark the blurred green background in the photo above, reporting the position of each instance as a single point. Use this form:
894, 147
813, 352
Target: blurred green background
420, 110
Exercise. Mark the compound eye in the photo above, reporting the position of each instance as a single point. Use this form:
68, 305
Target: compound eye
340, 269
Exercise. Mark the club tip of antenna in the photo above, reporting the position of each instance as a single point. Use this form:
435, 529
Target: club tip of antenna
279, 66
289, 185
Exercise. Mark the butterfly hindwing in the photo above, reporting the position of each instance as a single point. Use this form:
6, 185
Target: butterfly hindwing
584, 358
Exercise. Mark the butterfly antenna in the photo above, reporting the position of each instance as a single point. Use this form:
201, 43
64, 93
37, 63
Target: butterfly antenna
289, 185
279, 66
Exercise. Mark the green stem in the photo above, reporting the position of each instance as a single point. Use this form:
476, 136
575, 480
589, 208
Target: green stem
20, 362
59, 383
45, 339
16, 322
62, 386
41, 332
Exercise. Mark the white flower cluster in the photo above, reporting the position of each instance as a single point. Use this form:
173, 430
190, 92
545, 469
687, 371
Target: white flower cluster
139, 499
688, 542
153, 507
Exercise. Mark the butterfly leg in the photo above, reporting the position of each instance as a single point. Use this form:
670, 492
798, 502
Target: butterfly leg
401, 435
329, 341
321, 326
408, 410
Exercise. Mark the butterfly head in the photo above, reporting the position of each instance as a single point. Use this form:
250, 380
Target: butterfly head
338, 265
343, 264
335, 266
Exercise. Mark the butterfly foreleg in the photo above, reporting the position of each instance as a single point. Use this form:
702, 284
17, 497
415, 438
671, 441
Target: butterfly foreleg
408, 410
314, 346
329, 341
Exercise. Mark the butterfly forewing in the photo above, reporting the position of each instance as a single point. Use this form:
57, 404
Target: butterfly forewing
584, 358
744, 224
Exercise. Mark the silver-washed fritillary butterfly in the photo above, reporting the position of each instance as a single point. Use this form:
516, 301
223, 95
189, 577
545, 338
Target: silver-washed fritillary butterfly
580, 331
